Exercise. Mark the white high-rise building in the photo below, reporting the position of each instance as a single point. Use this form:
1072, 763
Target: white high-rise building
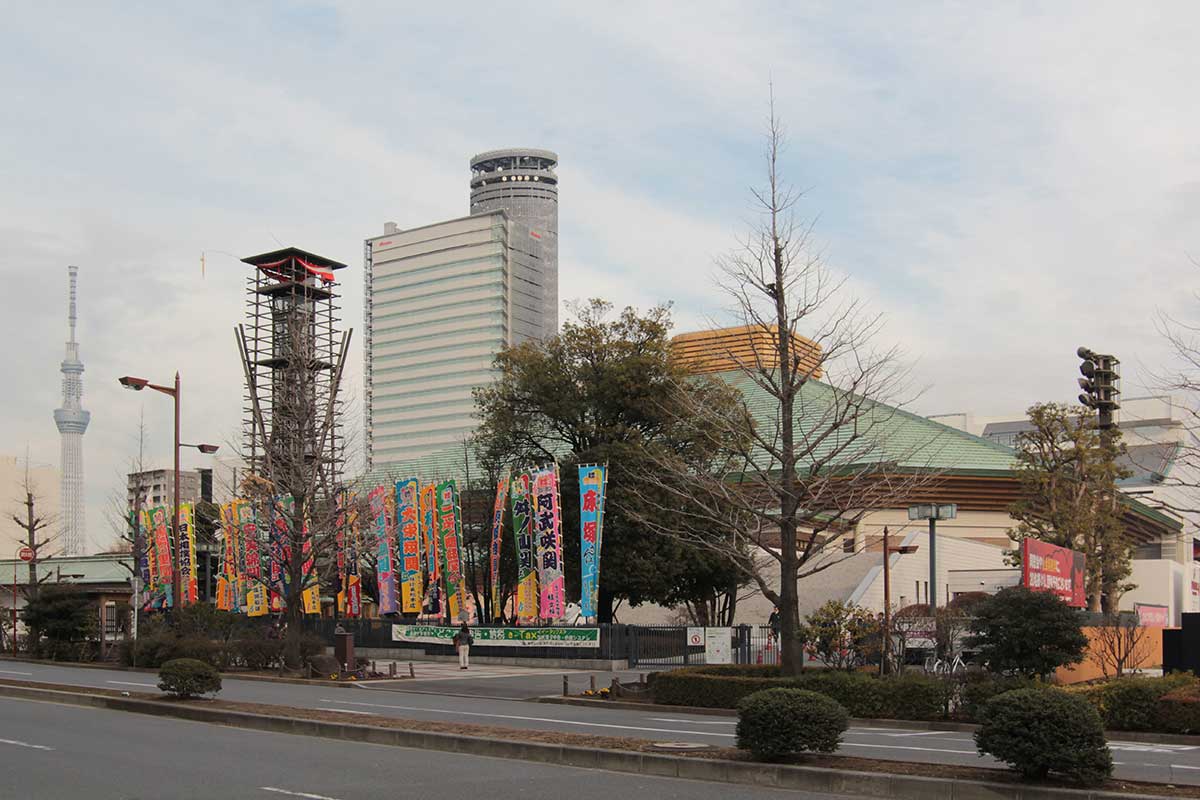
440, 301
72, 422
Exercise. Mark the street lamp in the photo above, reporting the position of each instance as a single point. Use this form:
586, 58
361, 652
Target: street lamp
933, 512
137, 385
887, 594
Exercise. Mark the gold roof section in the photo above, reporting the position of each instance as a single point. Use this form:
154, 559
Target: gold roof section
725, 349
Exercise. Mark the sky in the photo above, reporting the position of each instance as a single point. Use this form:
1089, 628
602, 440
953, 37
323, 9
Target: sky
1003, 182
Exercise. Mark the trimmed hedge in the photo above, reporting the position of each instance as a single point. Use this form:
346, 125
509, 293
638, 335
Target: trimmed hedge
1043, 731
1179, 711
187, 677
911, 696
1131, 703
779, 722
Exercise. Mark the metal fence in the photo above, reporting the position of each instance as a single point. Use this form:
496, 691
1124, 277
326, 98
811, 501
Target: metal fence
665, 645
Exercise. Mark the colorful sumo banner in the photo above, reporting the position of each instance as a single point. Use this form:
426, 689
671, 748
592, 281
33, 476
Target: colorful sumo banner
1050, 568
451, 540
494, 550
548, 534
384, 531
187, 554
592, 483
522, 511
407, 509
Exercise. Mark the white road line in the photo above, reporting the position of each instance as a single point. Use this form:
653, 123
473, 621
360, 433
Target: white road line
529, 719
295, 794
1173, 766
902, 747
131, 683
693, 721
25, 744
348, 711
14, 672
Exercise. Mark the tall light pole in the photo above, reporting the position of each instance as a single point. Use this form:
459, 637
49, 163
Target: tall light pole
137, 385
887, 596
933, 512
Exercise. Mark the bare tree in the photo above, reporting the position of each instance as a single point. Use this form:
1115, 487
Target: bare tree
1178, 490
1119, 645
33, 524
809, 465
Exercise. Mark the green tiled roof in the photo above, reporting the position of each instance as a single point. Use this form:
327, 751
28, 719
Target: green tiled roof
886, 436
882, 434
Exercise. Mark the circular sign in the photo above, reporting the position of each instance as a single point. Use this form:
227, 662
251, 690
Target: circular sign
695, 639
25, 554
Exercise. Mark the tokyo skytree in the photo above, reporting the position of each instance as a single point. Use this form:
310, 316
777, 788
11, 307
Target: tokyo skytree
72, 422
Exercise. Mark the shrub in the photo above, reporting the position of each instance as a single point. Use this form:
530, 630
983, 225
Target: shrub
1179, 711
842, 635
979, 688
311, 645
258, 653
860, 694
1130, 704
187, 677
1028, 632
779, 722
1040, 731
922, 697
714, 687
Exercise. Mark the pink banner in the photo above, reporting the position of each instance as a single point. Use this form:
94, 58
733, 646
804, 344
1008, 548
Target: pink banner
548, 538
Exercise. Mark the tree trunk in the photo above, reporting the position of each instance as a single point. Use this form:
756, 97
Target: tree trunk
606, 601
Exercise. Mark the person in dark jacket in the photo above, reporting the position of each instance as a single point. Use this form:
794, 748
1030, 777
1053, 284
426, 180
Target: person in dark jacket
462, 642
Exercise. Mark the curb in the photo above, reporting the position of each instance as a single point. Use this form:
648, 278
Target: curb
1141, 737
233, 676
809, 779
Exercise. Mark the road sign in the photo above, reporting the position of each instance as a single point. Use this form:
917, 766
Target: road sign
25, 554
695, 637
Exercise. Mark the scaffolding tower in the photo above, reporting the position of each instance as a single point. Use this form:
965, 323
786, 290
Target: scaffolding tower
293, 354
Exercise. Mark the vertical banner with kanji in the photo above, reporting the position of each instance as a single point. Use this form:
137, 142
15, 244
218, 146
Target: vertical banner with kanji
429, 546
141, 520
450, 526
256, 598
592, 480
310, 597
384, 530
522, 512
353, 580
225, 581
161, 536
280, 546
407, 508
548, 533
242, 513
186, 525
494, 550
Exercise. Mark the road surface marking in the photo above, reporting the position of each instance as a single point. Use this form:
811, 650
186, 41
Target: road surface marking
1173, 766
1138, 747
131, 683
528, 719
295, 794
348, 711
692, 721
25, 744
902, 747
13, 672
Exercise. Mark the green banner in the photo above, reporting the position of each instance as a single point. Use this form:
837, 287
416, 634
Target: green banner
501, 637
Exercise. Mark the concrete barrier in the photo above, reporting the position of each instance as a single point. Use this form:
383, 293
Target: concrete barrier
809, 779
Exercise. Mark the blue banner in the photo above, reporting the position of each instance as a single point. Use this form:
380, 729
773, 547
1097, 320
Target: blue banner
592, 482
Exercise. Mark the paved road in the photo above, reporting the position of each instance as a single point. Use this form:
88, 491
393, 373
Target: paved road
1161, 763
56, 751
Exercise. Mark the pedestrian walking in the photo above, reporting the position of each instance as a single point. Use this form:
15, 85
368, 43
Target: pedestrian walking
462, 642
774, 622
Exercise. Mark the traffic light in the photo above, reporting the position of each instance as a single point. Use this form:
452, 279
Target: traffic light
1101, 384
